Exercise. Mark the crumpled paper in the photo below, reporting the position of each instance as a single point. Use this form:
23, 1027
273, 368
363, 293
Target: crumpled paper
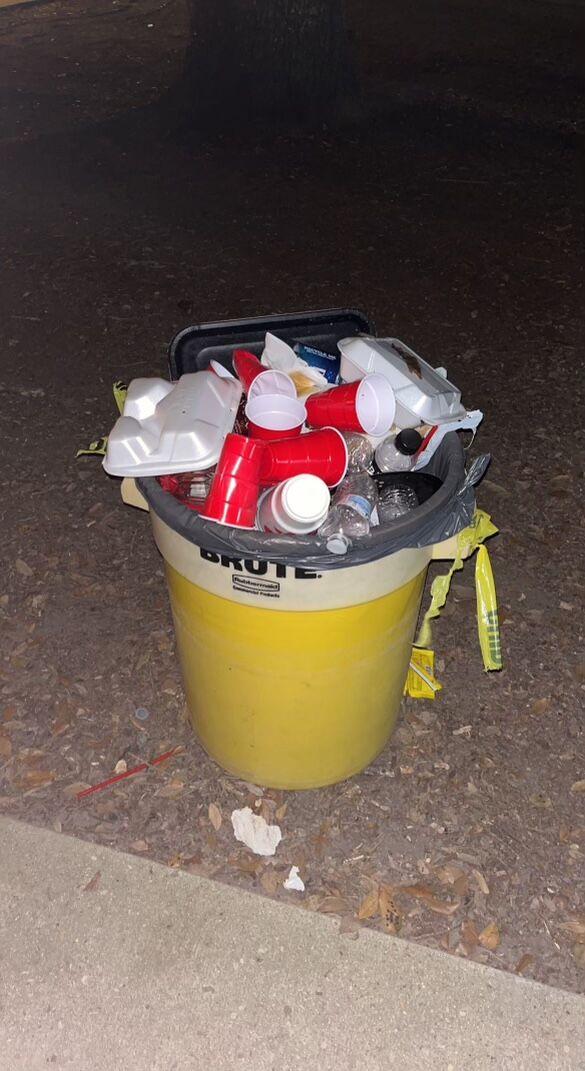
253, 831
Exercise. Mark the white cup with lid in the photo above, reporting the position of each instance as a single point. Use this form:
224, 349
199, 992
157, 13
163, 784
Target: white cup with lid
298, 506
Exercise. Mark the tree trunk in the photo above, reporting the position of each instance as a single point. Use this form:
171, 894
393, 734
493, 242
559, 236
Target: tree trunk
252, 60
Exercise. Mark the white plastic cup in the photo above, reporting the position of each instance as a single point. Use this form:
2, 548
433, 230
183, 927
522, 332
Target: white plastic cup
275, 416
298, 506
375, 405
272, 382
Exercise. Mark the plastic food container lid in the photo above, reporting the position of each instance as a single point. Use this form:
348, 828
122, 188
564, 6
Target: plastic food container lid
168, 428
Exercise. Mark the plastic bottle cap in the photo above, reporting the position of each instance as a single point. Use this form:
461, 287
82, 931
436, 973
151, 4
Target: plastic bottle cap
338, 544
305, 497
408, 441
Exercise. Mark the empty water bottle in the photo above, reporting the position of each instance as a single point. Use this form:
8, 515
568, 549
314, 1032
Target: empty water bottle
396, 501
360, 452
396, 453
350, 513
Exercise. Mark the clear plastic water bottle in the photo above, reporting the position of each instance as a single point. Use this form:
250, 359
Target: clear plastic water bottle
395, 502
350, 513
395, 454
360, 452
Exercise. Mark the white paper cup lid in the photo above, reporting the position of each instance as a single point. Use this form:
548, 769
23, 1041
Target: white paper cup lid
306, 498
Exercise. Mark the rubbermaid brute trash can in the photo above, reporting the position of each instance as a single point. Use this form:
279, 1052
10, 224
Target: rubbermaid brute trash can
293, 659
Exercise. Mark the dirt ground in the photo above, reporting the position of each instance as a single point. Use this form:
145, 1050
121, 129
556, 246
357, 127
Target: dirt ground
452, 218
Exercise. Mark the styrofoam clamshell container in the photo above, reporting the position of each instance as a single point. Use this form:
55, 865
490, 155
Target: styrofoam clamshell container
423, 396
167, 428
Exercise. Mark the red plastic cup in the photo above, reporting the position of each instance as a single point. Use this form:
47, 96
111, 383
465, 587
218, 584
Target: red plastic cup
368, 405
247, 367
233, 498
318, 453
275, 416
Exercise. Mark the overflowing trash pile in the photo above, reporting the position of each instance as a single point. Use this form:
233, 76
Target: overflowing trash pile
296, 441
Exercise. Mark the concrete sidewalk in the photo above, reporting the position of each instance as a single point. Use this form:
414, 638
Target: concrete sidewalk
158, 970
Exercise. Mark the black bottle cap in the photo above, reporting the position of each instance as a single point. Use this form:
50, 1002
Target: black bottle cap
408, 441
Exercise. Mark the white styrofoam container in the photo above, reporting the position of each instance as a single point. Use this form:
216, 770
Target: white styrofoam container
423, 396
168, 427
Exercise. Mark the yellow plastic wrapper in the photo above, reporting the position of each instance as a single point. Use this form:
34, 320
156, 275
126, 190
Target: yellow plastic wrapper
469, 540
420, 681
488, 625
98, 446
120, 391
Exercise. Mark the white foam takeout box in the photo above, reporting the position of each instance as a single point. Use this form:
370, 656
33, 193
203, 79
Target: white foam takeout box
172, 427
423, 395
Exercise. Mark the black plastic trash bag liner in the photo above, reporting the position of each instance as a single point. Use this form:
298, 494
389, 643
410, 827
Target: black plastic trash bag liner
444, 514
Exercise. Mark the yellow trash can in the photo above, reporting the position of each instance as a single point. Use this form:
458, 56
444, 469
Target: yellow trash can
294, 676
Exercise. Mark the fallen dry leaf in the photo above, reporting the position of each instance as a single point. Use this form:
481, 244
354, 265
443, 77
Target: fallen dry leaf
34, 779
93, 884
333, 905
23, 568
461, 886
247, 864
389, 911
71, 790
349, 927
270, 881
490, 937
368, 908
267, 810
524, 963
281, 811
214, 815
192, 862
469, 935
576, 927
449, 874
140, 846
578, 786
171, 790
121, 766
30, 756
5, 747
311, 903
540, 706
481, 882
422, 892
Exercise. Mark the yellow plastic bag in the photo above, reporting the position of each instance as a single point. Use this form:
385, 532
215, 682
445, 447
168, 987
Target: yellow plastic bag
488, 625
469, 540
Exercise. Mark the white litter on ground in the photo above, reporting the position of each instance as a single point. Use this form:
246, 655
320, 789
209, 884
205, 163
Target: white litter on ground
294, 882
253, 831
